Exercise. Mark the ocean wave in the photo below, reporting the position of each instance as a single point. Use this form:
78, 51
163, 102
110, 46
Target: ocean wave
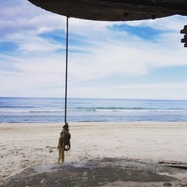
52, 110
90, 109
112, 108
15, 107
128, 109
31, 111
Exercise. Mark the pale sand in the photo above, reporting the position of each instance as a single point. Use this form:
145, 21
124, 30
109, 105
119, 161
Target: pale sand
28, 145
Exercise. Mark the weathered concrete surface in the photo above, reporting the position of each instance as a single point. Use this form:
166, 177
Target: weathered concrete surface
103, 172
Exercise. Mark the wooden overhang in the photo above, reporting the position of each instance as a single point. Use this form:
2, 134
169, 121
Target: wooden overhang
114, 10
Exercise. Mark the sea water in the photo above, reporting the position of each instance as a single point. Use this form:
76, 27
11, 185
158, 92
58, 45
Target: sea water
21, 110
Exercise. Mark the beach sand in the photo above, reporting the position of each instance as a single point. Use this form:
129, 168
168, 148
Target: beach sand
34, 145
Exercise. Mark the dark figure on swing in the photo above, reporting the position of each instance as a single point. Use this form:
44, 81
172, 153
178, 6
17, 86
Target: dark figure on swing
64, 142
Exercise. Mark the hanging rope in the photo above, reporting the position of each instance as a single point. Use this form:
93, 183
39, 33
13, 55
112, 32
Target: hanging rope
66, 75
64, 140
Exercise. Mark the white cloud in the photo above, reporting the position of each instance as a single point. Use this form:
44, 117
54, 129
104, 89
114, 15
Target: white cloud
134, 91
39, 68
174, 23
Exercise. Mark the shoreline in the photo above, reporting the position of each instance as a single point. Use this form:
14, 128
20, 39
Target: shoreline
25, 145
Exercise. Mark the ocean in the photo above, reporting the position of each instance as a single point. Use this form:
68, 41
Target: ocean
30, 110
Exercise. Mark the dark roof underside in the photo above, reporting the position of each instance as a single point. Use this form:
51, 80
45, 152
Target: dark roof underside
114, 10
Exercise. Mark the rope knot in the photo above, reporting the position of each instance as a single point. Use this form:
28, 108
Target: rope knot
66, 136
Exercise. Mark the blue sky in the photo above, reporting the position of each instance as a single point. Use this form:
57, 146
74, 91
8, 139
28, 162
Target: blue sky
136, 60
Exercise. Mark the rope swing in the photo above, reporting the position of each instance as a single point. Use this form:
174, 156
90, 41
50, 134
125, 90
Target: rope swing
66, 126
65, 136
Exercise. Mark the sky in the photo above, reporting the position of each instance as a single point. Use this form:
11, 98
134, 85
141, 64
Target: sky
125, 60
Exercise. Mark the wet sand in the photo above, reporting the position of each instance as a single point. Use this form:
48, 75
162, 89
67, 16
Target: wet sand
26, 147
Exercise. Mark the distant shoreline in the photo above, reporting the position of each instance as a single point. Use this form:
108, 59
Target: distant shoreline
62, 98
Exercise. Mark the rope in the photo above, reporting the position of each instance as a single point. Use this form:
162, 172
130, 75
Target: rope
64, 140
66, 75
